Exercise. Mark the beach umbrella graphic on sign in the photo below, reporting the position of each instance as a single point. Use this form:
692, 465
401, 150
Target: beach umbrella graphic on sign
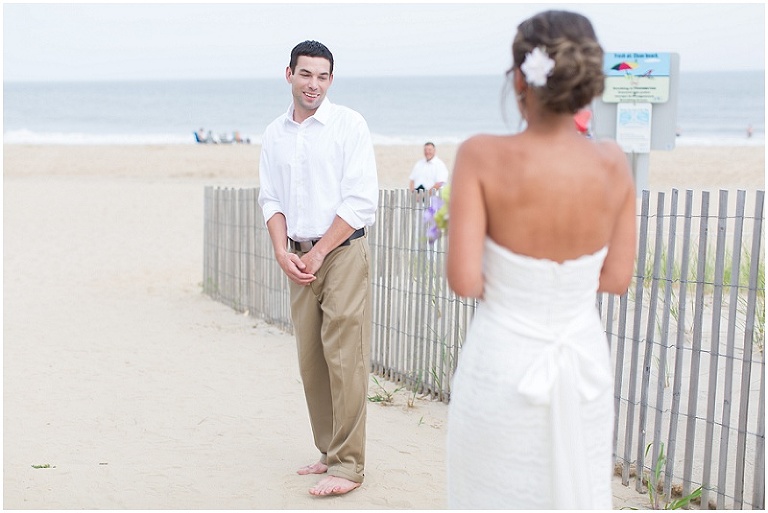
625, 65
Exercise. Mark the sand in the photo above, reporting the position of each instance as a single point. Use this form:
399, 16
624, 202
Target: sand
686, 167
140, 392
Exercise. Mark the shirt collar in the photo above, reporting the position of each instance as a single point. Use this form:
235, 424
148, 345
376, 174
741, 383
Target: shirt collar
322, 114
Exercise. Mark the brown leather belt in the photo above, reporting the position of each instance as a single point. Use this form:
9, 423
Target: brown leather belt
306, 245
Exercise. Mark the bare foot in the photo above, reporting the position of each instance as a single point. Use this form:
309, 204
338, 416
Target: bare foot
333, 485
315, 468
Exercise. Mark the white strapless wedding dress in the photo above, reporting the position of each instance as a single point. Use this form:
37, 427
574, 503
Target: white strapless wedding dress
530, 422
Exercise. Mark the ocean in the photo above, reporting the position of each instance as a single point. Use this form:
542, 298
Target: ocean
713, 109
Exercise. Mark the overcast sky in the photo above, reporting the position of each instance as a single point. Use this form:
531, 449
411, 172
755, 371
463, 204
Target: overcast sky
85, 41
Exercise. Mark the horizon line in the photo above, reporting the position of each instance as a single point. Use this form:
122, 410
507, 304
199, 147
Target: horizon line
220, 79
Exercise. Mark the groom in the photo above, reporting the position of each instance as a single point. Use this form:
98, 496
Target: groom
319, 193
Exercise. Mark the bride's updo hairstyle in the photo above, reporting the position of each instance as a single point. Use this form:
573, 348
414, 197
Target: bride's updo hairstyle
570, 41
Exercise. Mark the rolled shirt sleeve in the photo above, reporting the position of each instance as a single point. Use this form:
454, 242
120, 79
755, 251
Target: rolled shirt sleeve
268, 200
359, 185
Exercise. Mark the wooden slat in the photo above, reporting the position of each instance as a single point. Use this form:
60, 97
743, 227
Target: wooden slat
642, 251
666, 340
650, 338
714, 352
730, 350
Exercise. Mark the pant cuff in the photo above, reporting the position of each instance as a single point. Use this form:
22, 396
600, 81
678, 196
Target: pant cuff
339, 471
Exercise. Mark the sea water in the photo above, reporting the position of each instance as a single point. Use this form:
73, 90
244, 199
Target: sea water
713, 109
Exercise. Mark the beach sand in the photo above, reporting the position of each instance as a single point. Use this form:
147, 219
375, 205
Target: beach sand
140, 392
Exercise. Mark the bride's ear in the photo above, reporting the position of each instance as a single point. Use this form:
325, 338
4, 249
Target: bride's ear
519, 82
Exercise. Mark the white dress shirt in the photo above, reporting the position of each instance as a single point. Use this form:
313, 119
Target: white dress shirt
429, 172
317, 170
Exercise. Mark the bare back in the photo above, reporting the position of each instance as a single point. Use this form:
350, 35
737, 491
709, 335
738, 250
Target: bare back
555, 199
551, 196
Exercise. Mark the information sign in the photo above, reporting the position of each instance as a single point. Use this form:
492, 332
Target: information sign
636, 77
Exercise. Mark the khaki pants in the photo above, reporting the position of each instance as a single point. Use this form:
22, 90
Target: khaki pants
332, 323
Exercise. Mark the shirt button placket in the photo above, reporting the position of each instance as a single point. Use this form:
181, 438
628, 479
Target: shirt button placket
299, 179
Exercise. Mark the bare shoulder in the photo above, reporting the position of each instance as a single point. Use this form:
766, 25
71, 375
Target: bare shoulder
483, 148
615, 160
476, 144
610, 149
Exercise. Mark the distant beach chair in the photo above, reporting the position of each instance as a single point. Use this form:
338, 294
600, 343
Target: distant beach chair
197, 138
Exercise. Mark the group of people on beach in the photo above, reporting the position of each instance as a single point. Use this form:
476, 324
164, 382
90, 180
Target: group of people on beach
203, 137
540, 221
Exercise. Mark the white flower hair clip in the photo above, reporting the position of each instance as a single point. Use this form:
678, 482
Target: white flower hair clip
537, 66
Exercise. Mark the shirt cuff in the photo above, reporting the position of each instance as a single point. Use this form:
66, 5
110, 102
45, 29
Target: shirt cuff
351, 217
270, 209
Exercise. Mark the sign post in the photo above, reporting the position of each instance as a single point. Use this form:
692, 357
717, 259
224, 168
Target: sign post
639, 106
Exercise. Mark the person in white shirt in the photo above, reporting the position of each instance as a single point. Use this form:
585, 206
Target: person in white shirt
319, 193
429, 173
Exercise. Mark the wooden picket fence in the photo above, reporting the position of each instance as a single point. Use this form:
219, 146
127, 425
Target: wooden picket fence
687, 339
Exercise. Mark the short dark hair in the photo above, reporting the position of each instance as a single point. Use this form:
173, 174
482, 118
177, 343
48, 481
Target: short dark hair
310, 49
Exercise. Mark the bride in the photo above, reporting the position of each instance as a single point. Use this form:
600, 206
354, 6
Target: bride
540, 222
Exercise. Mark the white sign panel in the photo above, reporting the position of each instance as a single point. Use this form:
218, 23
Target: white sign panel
633, 127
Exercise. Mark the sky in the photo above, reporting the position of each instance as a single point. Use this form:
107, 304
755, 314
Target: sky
153, 41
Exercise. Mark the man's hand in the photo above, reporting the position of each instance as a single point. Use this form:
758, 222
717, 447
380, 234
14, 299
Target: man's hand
295, 268
312, 261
